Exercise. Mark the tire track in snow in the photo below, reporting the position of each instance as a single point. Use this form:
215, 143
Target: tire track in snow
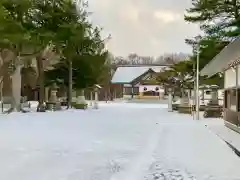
141, 163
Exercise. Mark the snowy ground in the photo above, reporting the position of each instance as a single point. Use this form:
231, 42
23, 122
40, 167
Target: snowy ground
217, 126
119, 141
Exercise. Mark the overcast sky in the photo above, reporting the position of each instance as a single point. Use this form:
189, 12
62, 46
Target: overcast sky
147, 27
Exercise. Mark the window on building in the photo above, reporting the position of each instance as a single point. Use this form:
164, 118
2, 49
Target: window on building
130, 90
233, 100
135, 90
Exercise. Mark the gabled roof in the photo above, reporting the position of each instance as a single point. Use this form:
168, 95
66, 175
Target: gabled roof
125, 75
229, 54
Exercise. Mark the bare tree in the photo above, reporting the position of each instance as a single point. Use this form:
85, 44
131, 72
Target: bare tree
147, 60
171, 58
119, 60
133, 58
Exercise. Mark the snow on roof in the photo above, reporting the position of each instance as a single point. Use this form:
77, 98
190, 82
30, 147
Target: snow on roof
128, 74
98, 86
229, 54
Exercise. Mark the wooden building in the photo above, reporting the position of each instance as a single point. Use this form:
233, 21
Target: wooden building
227, 62
137, 82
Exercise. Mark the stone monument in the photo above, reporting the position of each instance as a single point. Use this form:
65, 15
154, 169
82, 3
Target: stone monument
170, 100
213, 109
185, 106
53, 102
96, 91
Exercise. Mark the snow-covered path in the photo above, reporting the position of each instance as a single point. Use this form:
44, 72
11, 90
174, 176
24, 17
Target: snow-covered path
117, 142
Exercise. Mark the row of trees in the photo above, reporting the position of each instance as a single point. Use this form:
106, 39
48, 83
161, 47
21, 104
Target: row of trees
220, 23
50, 32
135, 59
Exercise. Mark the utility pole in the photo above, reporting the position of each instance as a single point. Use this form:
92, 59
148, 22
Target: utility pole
197, 84
194, 91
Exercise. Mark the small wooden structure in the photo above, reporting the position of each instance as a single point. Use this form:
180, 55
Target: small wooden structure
135, 82
150, 89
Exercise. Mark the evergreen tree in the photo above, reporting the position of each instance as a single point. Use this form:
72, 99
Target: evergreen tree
219, 18
220, 23
51, 30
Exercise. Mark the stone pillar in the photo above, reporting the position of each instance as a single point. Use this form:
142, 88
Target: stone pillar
96, 99
124, 92
132, 91
46, 94
189, 94
91, 98
170, 99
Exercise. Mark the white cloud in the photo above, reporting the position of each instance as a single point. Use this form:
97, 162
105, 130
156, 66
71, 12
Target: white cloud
143, 26
166, 16
130, 14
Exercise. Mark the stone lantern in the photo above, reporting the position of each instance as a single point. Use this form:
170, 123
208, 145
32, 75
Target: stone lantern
53, 102
185, 106
213, 109
170, 99
91, 97
214, 95
96, 91
53, 93
202, 89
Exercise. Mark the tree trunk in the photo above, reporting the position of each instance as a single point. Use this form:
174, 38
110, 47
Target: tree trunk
16, 89
16, 85
40, 107
70, 85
